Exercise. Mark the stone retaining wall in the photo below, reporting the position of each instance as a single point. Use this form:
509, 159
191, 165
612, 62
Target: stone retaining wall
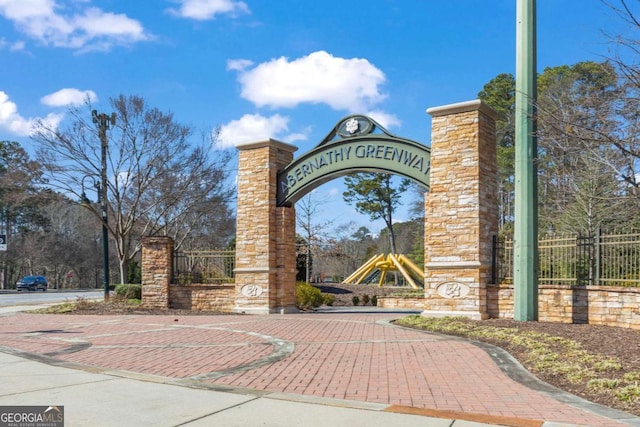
158, 292
412, 303
202, 297
598, 305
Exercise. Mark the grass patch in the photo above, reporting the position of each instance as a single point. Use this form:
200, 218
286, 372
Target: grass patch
84, 305
632, 376
603, 384
404, 293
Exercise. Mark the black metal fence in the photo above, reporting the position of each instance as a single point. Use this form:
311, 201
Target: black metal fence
212, 266
602, 259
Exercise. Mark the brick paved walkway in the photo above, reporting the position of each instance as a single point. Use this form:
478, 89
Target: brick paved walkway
344, 356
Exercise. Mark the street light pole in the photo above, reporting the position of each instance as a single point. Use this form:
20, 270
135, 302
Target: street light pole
103, 122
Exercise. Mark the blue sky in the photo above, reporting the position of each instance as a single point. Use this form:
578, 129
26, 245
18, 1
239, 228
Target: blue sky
283, 69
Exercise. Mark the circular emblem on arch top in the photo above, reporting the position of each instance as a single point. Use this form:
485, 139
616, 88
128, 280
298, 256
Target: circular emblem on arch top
452, 290
356, 125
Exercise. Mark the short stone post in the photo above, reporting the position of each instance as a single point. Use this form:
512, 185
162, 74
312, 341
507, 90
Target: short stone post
265, 234
157, 271
461, 210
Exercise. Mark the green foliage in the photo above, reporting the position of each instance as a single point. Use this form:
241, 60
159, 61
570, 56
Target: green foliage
22, 202
599, 384
375, 195
632, 376
134, 272
80, 304
232, 243
408, 293
365, 299
629, 393
417, 252
328, 299
355, 300
581, 157
301, 259
129, 291
307, 296
374, 300
409, 237
499, 94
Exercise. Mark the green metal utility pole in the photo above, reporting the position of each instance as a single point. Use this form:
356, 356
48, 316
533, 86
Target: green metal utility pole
525, 277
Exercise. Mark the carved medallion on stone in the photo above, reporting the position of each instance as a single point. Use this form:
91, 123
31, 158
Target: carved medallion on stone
452, 290
251, 290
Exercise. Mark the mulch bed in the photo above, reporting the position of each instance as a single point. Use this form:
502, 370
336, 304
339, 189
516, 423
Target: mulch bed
621, 344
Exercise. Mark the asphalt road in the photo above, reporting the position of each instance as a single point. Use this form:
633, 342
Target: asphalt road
10, 298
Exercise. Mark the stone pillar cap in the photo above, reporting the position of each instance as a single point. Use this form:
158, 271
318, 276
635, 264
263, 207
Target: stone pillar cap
463, 107
267, 143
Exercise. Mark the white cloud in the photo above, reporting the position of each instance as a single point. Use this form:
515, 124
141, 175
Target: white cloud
12, 46
17, 46
386, 120
12, 121
204, 10
69, 96
89, 28
238, 64
318, 78
255, 127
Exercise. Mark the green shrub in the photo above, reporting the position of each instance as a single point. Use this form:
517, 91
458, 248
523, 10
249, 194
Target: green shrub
308, 296
374, 300
365, 299
355, 300
328, 299
129, 291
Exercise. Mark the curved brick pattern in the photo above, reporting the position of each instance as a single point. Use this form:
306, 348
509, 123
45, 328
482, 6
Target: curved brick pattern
344, 356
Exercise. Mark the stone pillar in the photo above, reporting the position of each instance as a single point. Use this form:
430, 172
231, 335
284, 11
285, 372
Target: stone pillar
265, 234
461, 210
157, 271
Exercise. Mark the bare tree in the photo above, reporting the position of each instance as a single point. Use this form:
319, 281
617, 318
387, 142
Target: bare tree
311, 231
159, 180
581, 172
22, 209
584, 163
350, 246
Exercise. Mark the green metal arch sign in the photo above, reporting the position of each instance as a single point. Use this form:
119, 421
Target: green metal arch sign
356, 144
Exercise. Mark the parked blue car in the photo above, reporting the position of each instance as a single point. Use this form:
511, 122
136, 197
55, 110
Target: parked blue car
32, 283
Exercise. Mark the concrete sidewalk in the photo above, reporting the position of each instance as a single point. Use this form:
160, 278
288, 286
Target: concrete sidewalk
316, 369
120, 399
